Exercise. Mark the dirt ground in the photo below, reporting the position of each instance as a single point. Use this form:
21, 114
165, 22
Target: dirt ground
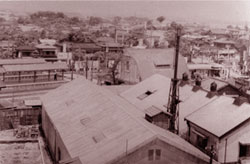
20, 153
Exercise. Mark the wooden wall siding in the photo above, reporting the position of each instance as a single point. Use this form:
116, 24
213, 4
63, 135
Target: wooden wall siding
161, 120
53, 139
168, 154
11, 118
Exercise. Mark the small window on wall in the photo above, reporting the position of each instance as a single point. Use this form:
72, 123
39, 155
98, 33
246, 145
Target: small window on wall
244, 150
127, 65
157, 154
202, 142
59, 154
154, 154
151, 155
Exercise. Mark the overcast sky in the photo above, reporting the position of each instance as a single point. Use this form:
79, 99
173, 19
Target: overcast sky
192, 10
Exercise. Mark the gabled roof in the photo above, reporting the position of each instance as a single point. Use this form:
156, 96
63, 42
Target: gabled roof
25, 48
160, 85
147, 58
220, 116
93, 123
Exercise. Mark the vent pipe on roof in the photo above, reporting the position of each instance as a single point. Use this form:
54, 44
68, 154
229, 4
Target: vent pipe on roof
213, 87
197, 85
185, 79
198, 81
213, 90
240, 100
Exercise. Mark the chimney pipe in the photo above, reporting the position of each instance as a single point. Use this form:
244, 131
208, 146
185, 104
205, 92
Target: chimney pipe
198, 81
240, 100
213, 90
213, 87
185, 79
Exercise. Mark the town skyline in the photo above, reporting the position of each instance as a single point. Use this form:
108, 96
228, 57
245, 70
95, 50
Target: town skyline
224, 12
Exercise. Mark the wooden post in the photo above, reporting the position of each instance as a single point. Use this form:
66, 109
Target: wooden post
34, 76
62, 74
48, 75
19, 76
91, 69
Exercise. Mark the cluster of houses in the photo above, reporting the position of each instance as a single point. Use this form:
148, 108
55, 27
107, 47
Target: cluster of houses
88, 123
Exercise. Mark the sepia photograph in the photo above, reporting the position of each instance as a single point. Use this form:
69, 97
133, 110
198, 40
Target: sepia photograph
124, 82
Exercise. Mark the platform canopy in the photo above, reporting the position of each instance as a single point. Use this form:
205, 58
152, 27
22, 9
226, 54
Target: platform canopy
35, 67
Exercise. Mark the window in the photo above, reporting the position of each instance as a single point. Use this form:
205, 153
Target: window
144, 95
127, 65
201, 142
59, 154
154, 154
151, 155
158, 154
244, 150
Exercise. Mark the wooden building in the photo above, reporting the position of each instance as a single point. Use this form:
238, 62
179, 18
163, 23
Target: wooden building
13, 115
26, 51
85, 123
222, 123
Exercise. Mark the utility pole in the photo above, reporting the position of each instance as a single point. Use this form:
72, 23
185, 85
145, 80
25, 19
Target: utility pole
86, 68
173, 98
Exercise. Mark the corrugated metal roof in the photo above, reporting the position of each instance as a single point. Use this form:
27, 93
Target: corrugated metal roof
146, 59
36, 67
220, 116
21, 61
108, 122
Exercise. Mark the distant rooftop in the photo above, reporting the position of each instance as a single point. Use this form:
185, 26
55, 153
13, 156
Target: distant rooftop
21, 61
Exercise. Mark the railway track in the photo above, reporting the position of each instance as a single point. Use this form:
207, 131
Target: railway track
24, 94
